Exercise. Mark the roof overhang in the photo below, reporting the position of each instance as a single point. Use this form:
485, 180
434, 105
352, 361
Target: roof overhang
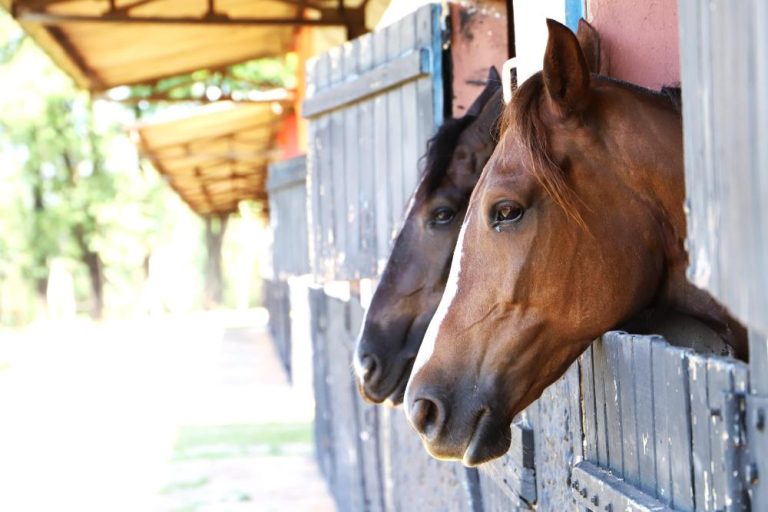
217, 156
105, 43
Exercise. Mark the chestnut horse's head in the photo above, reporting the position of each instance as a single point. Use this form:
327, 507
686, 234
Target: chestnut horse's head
414, 277
573, 227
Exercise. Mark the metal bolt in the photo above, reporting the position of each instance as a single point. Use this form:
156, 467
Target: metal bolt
760, 419
595, 500
584, 492
751, 473
609, 508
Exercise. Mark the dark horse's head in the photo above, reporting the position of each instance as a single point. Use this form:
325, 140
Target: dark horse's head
574, 227
414, 277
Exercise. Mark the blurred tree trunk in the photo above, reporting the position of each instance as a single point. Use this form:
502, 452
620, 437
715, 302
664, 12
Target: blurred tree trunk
92, 261
215, 227
41, 281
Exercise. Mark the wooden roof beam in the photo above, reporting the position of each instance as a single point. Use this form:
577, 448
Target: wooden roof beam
164, 98
223, 156
353, 19
330, 18
203, 139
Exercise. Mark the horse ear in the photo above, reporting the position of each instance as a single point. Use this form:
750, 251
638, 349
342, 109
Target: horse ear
566, 75
492, 84
493, 76
488, 119
589, 42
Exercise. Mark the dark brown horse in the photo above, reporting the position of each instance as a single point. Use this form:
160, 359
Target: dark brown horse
414, 277
576, 225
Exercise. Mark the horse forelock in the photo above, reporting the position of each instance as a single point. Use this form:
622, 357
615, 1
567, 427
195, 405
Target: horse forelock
523, 115
440, 150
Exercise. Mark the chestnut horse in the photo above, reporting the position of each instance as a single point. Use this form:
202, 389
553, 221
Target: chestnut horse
414, 277
575, 226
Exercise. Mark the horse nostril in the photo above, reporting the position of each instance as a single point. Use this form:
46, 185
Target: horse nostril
368, 367
426, 416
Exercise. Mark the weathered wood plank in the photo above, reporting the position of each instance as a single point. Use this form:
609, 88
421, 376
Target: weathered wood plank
735, 440
398, 71
323, 150
594, 487
628, 410
700, 418
348, 485
599, 368
512, 475
496, 498
367, 194
410, 121
725, 115
287, 190
394, 140
612, 344
313, 177
718, 383
642, 371
557, 432
338, 191
679, 428
588, 399
758, 363
350, 184
323, 407
661, 414
393, 120
416, 475
381, 157
368, 422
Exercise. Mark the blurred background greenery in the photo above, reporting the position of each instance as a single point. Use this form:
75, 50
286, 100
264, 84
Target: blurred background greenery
88, 228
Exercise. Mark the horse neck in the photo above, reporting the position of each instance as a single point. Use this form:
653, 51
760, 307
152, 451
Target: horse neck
662, 187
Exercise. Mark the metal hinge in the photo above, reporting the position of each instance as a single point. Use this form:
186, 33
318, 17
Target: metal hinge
734, 450
756, 458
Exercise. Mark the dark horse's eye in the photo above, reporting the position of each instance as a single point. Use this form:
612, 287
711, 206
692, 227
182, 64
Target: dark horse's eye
442, 216
505, 214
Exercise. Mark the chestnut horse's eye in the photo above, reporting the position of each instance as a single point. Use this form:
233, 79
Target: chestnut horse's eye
506, 213
442, 216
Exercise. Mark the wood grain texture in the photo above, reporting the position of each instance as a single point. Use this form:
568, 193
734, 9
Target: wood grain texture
371, 112
724, 56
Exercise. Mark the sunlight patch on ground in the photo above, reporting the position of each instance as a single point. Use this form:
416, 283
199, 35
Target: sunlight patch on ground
169, 414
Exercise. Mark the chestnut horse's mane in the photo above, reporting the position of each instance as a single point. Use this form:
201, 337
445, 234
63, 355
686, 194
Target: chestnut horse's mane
523, 114
440, 150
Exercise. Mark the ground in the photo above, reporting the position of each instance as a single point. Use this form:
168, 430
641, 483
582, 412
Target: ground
183, 414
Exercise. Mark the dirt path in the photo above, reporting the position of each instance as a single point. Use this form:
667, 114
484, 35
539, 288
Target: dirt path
185, 414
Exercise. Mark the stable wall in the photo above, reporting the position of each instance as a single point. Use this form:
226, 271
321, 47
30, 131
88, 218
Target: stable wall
639, 39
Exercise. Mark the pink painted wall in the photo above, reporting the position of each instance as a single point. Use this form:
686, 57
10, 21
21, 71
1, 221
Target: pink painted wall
639, 40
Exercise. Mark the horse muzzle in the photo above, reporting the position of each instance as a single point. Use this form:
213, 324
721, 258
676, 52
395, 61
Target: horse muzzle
466, 429
381, 379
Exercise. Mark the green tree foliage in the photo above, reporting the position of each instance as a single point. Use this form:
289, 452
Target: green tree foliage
236, 82
71, 182
73, 188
